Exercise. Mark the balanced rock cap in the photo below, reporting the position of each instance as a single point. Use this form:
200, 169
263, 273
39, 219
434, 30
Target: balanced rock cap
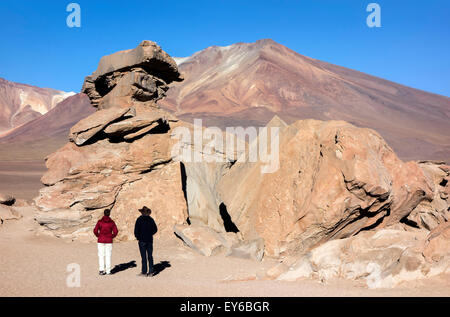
147, 55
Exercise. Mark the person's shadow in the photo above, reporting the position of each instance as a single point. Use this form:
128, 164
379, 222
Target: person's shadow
159, 267
122, 267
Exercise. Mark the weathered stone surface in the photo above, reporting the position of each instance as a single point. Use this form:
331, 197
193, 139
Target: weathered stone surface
120, 156
201, 239
146, 55
276, 271
381, 259
333, 185
202, 198
431, 213
161, 191
437, 246
248, 250
122, 176
59, 219
8, 213
202, 177
6, 199
141, 74
334, 180
96, 122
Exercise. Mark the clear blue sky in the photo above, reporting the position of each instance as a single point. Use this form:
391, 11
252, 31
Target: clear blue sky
412, 47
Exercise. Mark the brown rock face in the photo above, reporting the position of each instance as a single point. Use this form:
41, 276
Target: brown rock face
6, 199
383, 258
138, 75
437, 246
429, 214
333, 181
119, 157
8, 213
331, 201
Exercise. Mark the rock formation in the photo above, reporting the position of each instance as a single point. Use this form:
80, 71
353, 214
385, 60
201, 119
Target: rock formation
335, 186
334, 180
119, 157
131, 76
7, 210
382, 258
6, 199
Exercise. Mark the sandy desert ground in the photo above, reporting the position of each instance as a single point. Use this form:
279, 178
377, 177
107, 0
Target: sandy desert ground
36, 265
21, 179
33, 265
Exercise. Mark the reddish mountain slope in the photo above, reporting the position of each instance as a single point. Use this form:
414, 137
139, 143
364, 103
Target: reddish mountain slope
20, 103
45, 134
247, 83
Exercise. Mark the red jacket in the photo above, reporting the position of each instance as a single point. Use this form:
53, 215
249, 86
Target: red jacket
105, 230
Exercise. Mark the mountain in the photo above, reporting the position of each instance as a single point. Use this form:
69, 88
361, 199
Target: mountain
20, 103
45, 134
248, 83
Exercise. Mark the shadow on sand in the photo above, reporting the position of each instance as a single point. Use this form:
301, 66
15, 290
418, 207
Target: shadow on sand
122, 267
159, 267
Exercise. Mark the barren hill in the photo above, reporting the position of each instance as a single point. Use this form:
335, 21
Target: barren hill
247, 83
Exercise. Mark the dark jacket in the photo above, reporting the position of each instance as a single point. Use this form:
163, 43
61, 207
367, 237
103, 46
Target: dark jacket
105, 230
145, 228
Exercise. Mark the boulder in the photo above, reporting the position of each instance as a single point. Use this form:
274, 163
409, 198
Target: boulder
380, 259
141, 74
201, 239
333, 180
8, 213
437, 245
430, 213
6, 199
253, 250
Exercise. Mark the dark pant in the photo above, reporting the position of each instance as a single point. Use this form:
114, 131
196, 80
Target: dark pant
146, 249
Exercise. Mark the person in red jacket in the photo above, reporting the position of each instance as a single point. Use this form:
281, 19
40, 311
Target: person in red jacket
105, 231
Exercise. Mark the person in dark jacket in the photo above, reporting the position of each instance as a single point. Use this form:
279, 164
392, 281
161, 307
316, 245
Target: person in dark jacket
105, 231
144, 230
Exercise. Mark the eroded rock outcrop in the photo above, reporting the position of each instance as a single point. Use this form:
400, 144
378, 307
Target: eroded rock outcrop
380, 259
120, 156
334, 181
334, 186
6, 199
138, 75
7, 208
430, 213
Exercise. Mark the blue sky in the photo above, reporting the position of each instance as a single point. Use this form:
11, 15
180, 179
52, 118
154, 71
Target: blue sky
412, 47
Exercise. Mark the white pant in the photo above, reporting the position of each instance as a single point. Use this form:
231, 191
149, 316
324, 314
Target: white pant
104, 257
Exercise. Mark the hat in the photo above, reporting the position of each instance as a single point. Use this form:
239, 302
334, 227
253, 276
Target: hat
145, 209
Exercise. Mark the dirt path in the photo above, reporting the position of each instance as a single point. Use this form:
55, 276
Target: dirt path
37, 266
